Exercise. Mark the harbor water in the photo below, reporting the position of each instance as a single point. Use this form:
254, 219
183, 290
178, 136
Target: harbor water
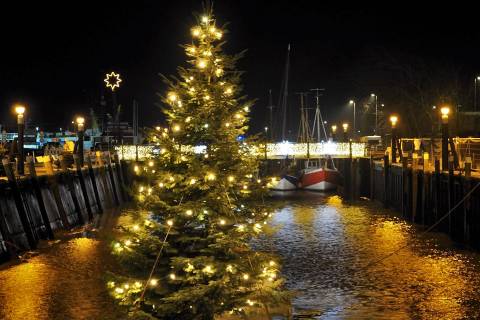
327, 248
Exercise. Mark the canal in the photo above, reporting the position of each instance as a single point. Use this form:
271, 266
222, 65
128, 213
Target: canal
326, 247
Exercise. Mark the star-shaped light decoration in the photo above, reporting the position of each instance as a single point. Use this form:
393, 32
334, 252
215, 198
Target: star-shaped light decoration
113, 80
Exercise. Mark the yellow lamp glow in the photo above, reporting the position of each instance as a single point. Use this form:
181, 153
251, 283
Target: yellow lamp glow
334, 128
445, 111
196, 31
80, 122
19, 109
393, 120
205, 19
345, 127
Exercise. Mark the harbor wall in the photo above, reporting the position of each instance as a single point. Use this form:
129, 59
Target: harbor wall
36, 206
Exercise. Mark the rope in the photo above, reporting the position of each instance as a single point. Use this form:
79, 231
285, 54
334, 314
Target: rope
154, 265
427, 230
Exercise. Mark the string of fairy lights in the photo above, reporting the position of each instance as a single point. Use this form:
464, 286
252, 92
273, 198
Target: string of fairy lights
166, 145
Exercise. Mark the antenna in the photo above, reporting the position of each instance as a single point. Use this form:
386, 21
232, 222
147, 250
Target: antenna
270, 107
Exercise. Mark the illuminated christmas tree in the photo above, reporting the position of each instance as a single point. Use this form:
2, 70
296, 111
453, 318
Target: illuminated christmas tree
189, 255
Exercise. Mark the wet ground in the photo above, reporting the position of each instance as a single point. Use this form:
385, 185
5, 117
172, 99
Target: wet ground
326, 248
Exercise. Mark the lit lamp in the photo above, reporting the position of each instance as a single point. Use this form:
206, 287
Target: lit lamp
352, 103
345, 131
266, 141
445, 111
334, 132
20, 110
80, 133
393, 121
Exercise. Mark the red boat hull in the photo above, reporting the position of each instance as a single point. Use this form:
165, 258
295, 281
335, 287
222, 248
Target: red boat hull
321, 179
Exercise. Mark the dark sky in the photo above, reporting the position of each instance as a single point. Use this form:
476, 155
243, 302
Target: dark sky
54, 56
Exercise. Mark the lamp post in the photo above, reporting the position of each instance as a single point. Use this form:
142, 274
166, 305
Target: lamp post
80, 133
345, 132
352, 102
393, 121
20, 110
373, 95
477, 78
266, 141
334, 132
444, 111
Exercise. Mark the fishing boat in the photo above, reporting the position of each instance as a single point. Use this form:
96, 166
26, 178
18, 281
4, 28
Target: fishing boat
286, 183
320, 175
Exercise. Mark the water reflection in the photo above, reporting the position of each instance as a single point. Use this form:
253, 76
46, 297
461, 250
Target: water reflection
327, 246
64, 282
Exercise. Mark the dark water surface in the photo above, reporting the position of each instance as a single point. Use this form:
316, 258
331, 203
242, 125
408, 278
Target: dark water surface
326, 246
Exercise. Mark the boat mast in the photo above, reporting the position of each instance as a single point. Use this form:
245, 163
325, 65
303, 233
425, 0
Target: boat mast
318, 120
270, 107
285, 95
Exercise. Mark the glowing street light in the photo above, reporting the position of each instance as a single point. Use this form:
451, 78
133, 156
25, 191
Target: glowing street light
80, 133
477, 79
352, 103
393, 121
373, 95
20, 110
345, 130
445, 111
334, 131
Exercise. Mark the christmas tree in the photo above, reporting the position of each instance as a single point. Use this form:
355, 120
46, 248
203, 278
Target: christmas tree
189, 257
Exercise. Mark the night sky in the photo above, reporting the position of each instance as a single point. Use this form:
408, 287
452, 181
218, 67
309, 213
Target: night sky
54, 56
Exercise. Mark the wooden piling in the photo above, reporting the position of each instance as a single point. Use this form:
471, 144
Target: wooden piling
112, 178
386, 177
83, 186
38, 194
71, 188
22, 213
52, 180
94, 183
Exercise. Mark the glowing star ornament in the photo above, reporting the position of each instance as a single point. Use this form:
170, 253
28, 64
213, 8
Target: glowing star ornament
112, 80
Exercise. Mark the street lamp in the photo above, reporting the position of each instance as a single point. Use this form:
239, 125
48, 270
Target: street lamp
80, 132
345, 130
477, 78
373, 95
393, 121
334, 131
266, 141
352, 102
20, 110
445, 111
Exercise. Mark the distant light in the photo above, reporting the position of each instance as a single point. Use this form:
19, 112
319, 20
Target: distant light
434, 107
373, 95
351, 102
325, 122
19, 109
478, 78
37, 128
80, 120
393, 120
334, 128
445, 111
266, 128
345, 126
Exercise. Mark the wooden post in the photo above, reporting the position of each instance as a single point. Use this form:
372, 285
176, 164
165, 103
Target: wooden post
112, 179
404, 186
83, 186
372, 178
6, 236
38, 195
71, 188
436, 194
22, 213
52, 180
94, 183
119, 177
386, 177
451, 196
